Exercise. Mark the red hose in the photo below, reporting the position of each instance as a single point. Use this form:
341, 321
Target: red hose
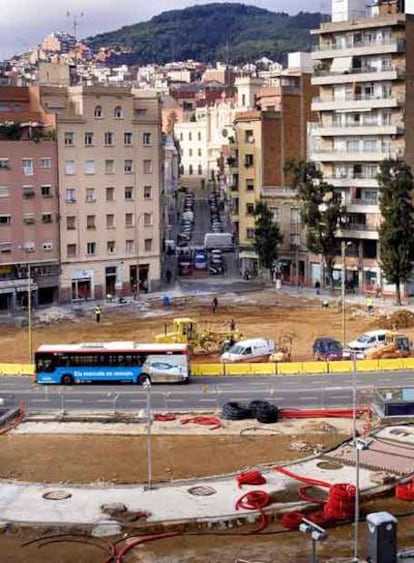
320, 413
405, 491
291, 520
213, 421
143, 539
167, 417
255, 500
250, 478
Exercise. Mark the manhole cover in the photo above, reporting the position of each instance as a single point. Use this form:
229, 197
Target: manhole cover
202, 491
329, 465
56, 495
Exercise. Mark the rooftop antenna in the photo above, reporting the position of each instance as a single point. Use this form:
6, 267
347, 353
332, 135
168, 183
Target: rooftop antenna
75, 21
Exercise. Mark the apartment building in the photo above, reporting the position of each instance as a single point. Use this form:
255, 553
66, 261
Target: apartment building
366, 109
29, 228
109, 147
265, 139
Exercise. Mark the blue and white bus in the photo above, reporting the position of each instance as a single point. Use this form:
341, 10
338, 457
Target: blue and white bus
111, 361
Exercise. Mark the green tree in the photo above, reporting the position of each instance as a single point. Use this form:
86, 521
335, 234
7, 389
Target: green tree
267, 235
396, 233
321, 211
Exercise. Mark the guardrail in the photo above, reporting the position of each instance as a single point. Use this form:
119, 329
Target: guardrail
269, 368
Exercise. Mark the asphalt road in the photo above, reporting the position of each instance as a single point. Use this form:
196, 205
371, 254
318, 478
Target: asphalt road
207, 394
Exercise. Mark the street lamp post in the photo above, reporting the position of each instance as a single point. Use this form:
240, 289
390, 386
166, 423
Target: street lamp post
344, 246
147, 388
29, 308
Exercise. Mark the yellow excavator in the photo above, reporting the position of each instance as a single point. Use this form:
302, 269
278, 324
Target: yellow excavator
396, 345
185, 330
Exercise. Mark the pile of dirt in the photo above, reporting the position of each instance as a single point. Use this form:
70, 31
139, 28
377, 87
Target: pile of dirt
397, 320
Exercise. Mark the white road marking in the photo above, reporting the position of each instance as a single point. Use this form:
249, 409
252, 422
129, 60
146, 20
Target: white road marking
40, 400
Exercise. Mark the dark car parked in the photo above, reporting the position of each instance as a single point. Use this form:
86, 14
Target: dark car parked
327, 349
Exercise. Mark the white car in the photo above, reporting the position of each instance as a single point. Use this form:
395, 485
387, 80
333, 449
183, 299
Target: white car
365, 342
160, 371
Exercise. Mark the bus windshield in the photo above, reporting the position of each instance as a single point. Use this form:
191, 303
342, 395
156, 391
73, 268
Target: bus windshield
111, 361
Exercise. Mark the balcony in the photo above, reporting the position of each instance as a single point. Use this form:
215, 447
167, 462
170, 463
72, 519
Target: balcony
278, 192
358, 231
359, 155
357, 102
358, 49
357, 205
357, 129
356, 181
366, 74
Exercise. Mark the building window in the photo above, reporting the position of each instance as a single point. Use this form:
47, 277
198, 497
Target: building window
71, 250
46, 191
28, 219
70, 167
109, 166
199, 152
249, 208
110, 194
250, 234
29, 246
139, 112
147, 219
129, 246
148, 244
147, 166
295, 240
110, 246
181, 137
5, 247
90, 195
90, 222
45, 162
89, 167
146, 139
248, 136
199, 136
108, 138
27, 164
127, 138
98, 112
70, 195
248, 160
294, 216
46, 217
118, 112
4, 191
129, 219
190, 169
88, 139
48, 245
147, 192
250, 185
28, 192
4, 163
128, 166
71, 223
90, 248
275, 213
190, 137
190, 152
110, 221
5, 220
69, 139
129, 193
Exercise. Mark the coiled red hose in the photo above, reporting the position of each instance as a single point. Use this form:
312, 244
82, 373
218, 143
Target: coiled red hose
250, 478
213, 421
255, 500
405, 491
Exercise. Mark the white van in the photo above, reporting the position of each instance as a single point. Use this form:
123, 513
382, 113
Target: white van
365, 342
251, 350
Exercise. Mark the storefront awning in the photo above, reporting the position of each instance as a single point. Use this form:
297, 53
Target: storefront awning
248, 255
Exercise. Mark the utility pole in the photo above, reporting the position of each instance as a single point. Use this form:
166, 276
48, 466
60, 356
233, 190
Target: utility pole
29, 307
75, 21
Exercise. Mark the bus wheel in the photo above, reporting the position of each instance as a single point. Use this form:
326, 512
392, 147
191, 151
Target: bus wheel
143, 378
67, 379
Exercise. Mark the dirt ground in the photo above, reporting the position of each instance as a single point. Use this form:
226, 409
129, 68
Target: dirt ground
86, 457
259, 314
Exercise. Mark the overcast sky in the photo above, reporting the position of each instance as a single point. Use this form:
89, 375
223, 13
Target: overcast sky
23, 23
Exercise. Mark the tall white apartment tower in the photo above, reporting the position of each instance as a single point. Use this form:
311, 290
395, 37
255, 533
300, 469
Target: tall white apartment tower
366, 114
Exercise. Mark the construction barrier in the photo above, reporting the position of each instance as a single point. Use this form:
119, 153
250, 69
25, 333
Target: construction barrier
16, 369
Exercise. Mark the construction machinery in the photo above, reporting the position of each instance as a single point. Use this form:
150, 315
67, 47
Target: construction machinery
206, 339
283, 352
396, 345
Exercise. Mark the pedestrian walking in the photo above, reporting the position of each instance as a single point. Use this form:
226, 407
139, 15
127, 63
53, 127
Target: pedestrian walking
98, 314
232, 324
370, 305
214, 305
168, 276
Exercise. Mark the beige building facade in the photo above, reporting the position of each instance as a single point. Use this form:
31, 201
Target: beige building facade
110, 185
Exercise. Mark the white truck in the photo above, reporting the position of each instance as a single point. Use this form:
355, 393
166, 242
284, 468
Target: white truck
221, 241
250, 350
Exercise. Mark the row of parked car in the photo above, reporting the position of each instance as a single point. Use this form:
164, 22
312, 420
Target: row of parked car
216, 224
187, 220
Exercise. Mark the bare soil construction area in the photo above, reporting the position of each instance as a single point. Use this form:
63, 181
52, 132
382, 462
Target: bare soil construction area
259, 314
